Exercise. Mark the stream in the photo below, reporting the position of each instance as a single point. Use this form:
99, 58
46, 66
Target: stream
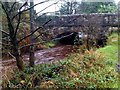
41, 56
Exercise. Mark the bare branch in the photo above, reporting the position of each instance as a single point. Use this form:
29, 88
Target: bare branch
34, 44
29, 8
29, 34
19, 19
12, 6
8, 19
4, 32
43, 14
29, 45
61, 25
47, 22
18, 14
34, 31
45, 41
4, 9
61, 37
23, 5
47, 7
11, 54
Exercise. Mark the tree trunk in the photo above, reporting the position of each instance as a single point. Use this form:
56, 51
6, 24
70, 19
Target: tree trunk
19, 62
31, 56
17, 55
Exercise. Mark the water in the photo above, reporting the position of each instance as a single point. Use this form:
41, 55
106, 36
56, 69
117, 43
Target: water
43, 56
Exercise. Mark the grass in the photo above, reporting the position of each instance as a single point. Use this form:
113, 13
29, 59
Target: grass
111, 50
111, 54
91, 69
49, 44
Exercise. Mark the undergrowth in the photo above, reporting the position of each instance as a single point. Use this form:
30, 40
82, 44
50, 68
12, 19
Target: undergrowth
91, 69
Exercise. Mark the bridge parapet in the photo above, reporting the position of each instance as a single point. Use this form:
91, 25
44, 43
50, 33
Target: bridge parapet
78, 20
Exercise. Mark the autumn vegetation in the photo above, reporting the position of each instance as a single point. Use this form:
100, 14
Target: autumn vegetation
88, 65
91, 69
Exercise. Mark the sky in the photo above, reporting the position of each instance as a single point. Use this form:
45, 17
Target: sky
54, 7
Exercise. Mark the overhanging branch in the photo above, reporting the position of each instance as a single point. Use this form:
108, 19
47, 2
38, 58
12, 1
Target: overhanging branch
34, 31
12, 6
29, 8
19, 19
47, 7
43, 14
10, 26
45, 41
4, 32
23, 5
29, 34
61, 25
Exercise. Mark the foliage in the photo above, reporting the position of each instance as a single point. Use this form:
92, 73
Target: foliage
49, 44
113, 39
107, 8
111, 50
88, 7
98, 7
69, 7
91, 69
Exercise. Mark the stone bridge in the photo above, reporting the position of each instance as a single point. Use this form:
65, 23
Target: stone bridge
78, 20
87, 23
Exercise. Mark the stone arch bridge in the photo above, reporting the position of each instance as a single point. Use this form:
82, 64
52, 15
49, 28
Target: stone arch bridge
78, 20
95, 22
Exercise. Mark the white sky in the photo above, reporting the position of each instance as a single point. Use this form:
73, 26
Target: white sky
53, 7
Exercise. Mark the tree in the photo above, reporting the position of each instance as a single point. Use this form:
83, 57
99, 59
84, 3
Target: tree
69, 7
32, 58
14, 20
87, 6
98, 7
11, 34
23, 27
109, 7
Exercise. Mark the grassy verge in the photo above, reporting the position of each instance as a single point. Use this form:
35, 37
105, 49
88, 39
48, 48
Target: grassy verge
91, 69
110, 53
